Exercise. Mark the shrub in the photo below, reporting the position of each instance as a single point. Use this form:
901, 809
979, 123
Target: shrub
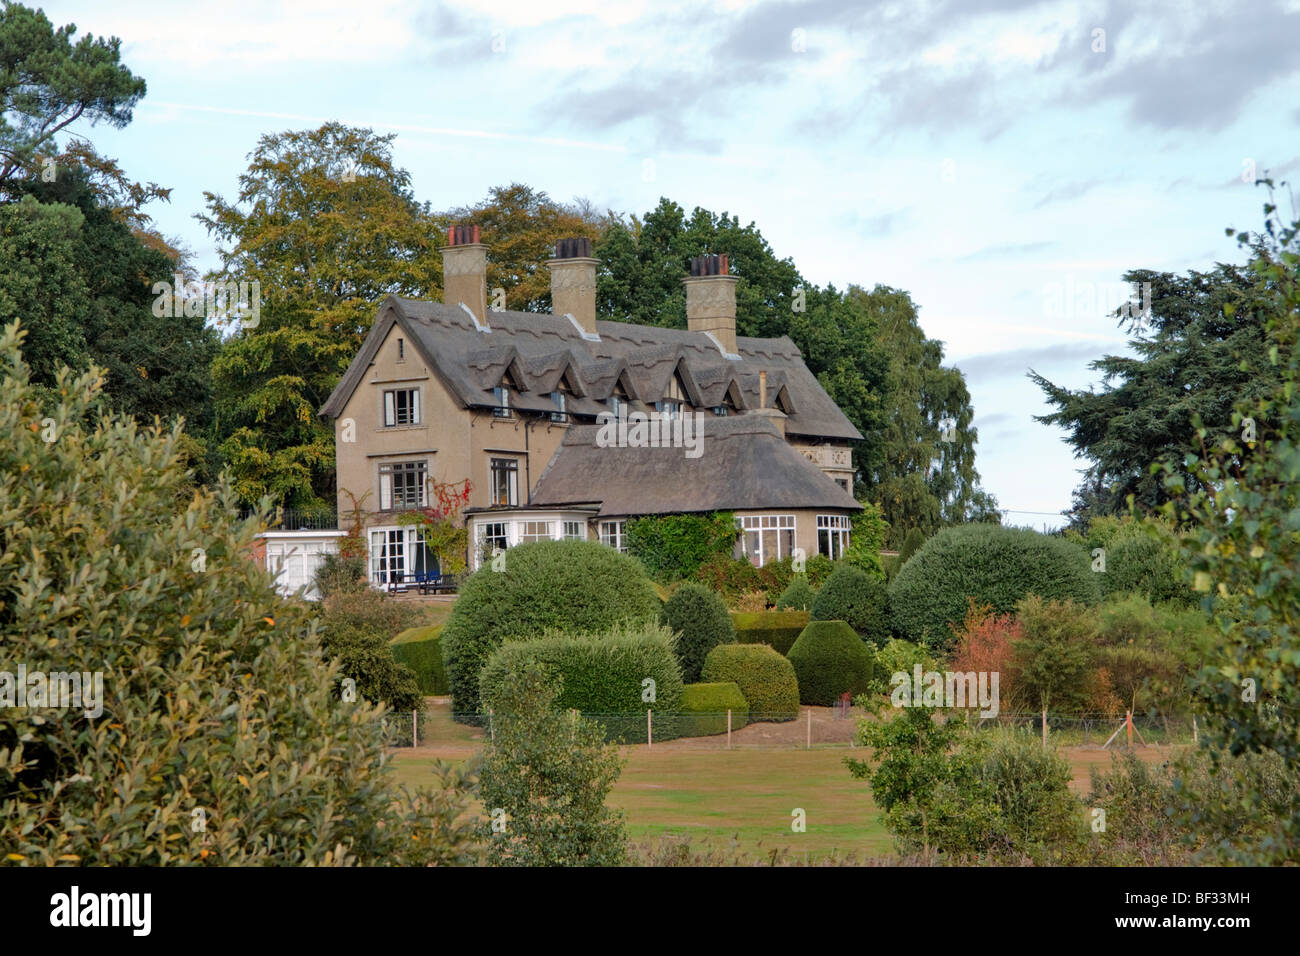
673, 547
994, 565
853, 596
869, 532
798, 596
765, 678
356, 630
701, 621
420, 650
339, 573
214, 695
1055, 659
369, 610
1147, 565
896, 656
705, 706
729, 577
829, 660
985, 642
776, 629
603, 675
578, 586
912, 543
546, 776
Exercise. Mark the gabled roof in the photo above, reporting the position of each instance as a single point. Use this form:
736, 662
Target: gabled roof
640, 356
743, 461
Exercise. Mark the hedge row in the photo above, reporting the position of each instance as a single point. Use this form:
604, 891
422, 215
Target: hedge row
705, 706
764, 677
420, 650
776, 629
829, 660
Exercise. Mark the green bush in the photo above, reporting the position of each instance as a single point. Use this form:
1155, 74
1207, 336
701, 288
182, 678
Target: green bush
337, 573
798, 596
776, 629
855, 597
870, 529
420, 650
213, 694
603, 675
913, 543
576, 586
701, 622
896, 656
673, 547
1148, 565
829, 660
356, 628
994, 565
705, 706
775, 576
765, 678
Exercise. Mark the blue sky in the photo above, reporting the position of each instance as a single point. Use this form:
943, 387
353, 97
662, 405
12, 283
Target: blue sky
1005, 162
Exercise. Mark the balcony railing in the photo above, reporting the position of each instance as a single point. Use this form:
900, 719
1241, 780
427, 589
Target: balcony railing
290, 519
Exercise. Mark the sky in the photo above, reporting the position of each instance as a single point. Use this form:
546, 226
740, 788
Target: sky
1004, 162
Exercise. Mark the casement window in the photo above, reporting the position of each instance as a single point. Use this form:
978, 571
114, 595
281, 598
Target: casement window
669, 409
767, 537
833, 535
502, 407
401, 407
493, 536
561, 407
396, 553
530, 531
670, 406
505, 481
402, 485
614, 534
721, 410
576, 530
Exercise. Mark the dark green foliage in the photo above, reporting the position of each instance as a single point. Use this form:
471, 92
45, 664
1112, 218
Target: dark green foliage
544, 780
870, 530
829, 660
604, 676
776, 629
994, 565
855, 597
701, 622
339, 574
673, 547
911, 544
577, 586
705, 706
419, 650
215, 693
765, 678
798, 595
356, 629
1147, 565
1054, 660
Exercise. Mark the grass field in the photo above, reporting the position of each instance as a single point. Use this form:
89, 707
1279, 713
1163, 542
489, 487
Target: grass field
715, 795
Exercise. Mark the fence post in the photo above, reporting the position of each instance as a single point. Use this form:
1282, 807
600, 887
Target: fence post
728, 728
810, 728
573, 730
1196, 739
1044, 728
649, 729
415, 730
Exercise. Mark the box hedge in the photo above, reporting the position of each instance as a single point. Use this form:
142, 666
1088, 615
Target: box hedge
705, 706
829, 660
776, 629
700, 620
797, 596
420, 650
765, 678
994, 565
570, 586
604, 676
855, 597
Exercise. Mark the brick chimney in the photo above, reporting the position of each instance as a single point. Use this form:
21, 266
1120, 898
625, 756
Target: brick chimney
464, 271
711, 300
573, 282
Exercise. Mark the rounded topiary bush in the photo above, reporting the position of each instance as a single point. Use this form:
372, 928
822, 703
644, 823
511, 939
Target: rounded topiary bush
1145, 564
603, 675
994, 565
855, 597
575, 586
705, 706
798, 595
765, 678
829, 660
700, 619
420, 650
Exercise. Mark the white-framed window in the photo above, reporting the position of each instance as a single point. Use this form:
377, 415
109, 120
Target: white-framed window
614, 534
505, 481
396, 553
560, 414
721, 411
402, 485
502, 396
493, 536
767, 537
575, 530
669, 409
833, 535
530, 531
401, 407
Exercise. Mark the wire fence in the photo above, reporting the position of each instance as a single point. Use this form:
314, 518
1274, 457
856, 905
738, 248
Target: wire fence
810, 728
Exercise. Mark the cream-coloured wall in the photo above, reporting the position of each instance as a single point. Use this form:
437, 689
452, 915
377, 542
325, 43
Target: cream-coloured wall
805, 525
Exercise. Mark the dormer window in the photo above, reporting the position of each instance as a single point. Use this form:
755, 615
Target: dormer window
501, 409
721, 410
670, 406
561, 411
669, 409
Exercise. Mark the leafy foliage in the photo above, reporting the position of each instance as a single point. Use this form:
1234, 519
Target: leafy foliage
868, 536
701, 622
777, 629
705, 706
861, 601
798, 595
340, 574
765, 678
673, 547
357, 628
1053, 658
829, 660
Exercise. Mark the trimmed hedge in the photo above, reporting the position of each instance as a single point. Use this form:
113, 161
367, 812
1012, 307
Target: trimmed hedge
574, 586
776, 629
855, 597
798, 595
705, 706
420, 650
992, 564
829, 660
602, 674
765, 678
700, 619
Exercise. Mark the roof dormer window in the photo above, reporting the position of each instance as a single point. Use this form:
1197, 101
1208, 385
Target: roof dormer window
561, 413
501, 409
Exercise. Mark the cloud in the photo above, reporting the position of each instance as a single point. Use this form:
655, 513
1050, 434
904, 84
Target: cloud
1067, 191
1015, 362
1008, 250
